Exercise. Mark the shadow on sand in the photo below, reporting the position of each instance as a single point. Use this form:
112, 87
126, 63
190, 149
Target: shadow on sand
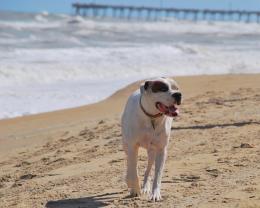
211, 126
101, 200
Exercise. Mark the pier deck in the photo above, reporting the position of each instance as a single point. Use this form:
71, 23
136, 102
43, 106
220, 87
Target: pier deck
155, 13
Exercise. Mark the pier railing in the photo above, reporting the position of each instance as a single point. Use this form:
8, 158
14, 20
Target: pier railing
156, 13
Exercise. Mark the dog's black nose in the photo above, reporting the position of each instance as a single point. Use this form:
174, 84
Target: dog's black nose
177, 97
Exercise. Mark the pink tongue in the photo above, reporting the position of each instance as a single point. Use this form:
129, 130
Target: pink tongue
170, 111
173, 111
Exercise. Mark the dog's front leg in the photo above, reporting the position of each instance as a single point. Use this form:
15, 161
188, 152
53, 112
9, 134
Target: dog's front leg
151, 157
132, 175
159, 164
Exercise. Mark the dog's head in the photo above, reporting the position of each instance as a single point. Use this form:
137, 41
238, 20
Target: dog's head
164, 94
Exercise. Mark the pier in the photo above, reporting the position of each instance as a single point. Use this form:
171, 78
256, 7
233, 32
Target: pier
156, 13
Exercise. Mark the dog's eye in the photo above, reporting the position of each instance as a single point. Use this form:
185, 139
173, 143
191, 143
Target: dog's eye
160, 87
163, 89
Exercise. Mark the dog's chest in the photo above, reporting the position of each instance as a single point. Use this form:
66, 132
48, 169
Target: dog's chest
151, 137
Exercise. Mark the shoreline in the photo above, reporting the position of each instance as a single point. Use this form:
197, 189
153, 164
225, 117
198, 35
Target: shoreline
22, 113
102, 100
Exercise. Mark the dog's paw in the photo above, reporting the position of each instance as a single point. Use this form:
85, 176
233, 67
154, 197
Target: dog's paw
156, 195
146, 188
135, 192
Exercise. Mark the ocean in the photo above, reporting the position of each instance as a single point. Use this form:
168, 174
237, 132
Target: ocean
56, 61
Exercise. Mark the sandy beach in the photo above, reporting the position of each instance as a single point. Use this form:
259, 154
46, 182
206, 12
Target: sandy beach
74, 158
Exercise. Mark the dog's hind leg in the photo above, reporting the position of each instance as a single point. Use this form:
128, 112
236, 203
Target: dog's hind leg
132, 175
146, 185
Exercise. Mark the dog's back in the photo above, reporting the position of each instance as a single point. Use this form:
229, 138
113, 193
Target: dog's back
130, 114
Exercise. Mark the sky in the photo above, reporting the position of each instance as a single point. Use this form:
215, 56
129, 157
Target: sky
64, 6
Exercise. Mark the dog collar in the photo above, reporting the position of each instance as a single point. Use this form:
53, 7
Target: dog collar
148, 114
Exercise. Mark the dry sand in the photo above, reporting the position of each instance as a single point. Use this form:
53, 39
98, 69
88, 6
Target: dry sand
73, 158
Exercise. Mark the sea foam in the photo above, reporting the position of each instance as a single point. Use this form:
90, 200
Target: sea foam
50, 62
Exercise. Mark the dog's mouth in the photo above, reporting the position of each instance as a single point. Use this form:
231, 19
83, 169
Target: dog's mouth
171, 111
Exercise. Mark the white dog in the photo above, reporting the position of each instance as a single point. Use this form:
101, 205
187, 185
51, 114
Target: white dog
146, 122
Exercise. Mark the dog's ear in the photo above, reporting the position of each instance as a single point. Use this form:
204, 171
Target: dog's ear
146, 85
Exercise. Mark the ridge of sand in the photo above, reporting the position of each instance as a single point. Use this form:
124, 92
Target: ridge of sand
73, 158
